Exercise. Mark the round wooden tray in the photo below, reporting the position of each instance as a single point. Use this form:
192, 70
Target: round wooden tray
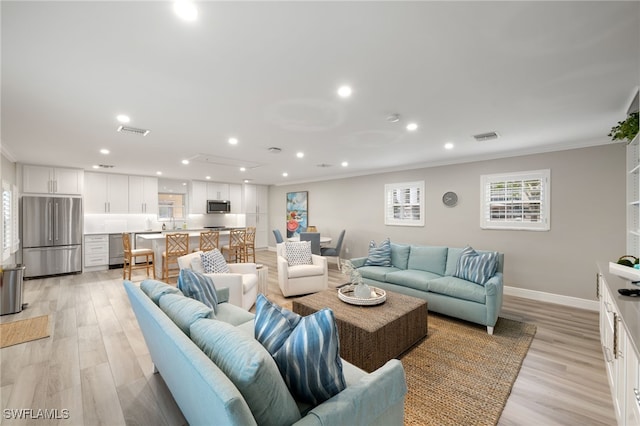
378, 296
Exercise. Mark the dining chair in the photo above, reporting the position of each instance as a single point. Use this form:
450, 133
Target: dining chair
334, 251
176, 245
278, 235
130, 256
235, 248
208, 241
250, 244
314, 237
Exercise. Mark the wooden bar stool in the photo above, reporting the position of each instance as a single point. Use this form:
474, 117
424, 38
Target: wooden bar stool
235, 248
250, 244
130, 256
176, 245
208, 241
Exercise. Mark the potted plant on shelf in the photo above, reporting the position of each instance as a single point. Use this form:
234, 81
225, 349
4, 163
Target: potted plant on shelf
627, 129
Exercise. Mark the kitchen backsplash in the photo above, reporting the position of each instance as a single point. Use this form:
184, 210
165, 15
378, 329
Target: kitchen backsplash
114, 223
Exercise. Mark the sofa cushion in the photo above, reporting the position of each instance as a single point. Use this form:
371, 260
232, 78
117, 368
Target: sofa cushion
251, 369
214, 262
379, 255
199, 287
233, 314
458, 288
476, 267
304, 270
298, 253
412, 278
184, 311
430, 259
155, 289
400, 255
309, 353
453, 255
377, 273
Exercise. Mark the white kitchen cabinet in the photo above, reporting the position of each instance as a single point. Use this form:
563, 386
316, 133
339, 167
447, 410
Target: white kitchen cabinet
217, 191
96, 251
621, 356
198, 197
106, 193
256, 208
52, 180
235, 197
143, 194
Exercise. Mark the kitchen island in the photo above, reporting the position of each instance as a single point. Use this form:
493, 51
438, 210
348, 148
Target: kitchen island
157, 242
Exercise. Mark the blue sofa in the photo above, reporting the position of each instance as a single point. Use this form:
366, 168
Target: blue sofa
206, 395
427, 272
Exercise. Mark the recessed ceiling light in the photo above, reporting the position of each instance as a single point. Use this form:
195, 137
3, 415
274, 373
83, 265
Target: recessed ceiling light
123, 118
185, 162
243, 169
344, 164
412, 126
448, 145
300, 154
246, 181
285, 174
207, 177
104, 151
344, 91
185, 10
233, 141
158, 172
95, 166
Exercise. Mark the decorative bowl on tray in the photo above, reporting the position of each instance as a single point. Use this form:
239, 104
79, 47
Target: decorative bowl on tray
347, 295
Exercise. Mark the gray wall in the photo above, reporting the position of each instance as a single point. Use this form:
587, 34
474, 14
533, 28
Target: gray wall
588, 218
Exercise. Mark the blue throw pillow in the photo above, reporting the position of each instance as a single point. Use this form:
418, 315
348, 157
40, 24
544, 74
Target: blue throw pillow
306, 350
156, 289
476, 267
184, 311
379, 255
198, 286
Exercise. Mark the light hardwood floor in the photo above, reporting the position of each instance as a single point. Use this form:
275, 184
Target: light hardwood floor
96, 364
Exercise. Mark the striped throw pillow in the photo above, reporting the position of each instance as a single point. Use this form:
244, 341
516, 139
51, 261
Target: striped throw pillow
306, 350
476, 267
213, 262
198, 286
379, 255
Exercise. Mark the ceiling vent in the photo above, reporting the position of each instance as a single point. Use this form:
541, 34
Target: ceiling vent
105, 166
274, 150
134, 130
486, 136
324, 165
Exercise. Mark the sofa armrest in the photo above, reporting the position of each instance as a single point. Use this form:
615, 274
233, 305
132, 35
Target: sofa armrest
242, 268
494, 289
358, 262
378, 398
319, 260
232, 282
222, 294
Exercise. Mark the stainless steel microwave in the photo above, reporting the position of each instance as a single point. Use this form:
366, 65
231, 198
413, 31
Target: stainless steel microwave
218, 206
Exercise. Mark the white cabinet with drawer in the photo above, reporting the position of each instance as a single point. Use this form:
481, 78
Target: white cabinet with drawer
96, 252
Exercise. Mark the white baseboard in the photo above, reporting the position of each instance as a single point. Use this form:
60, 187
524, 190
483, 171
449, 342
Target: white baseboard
575, 302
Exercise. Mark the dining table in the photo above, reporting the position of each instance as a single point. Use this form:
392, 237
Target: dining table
323, 240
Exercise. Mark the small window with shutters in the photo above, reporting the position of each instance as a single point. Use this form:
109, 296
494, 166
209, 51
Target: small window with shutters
519, 201
404, 204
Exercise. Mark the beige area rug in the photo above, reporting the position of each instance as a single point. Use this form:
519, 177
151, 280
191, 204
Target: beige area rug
460, 375
14, 333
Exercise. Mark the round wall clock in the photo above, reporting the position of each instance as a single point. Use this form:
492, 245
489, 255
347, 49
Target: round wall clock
450, 199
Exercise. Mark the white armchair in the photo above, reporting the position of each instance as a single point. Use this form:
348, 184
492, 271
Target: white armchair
242, 281
301, 279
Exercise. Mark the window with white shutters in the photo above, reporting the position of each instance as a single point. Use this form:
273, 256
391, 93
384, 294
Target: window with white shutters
404, 204
516, 201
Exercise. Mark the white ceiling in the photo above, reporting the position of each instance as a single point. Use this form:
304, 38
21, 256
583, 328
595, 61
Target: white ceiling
544, 75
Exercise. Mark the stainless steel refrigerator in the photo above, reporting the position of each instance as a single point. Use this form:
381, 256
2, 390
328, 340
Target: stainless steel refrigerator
51, 235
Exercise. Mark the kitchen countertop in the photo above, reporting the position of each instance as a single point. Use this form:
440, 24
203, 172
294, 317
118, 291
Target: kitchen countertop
160, 231
628, 307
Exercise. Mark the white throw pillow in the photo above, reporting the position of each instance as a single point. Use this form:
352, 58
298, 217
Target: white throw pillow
213, 262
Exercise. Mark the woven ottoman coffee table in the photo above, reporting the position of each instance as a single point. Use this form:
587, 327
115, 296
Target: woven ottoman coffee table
371, 335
